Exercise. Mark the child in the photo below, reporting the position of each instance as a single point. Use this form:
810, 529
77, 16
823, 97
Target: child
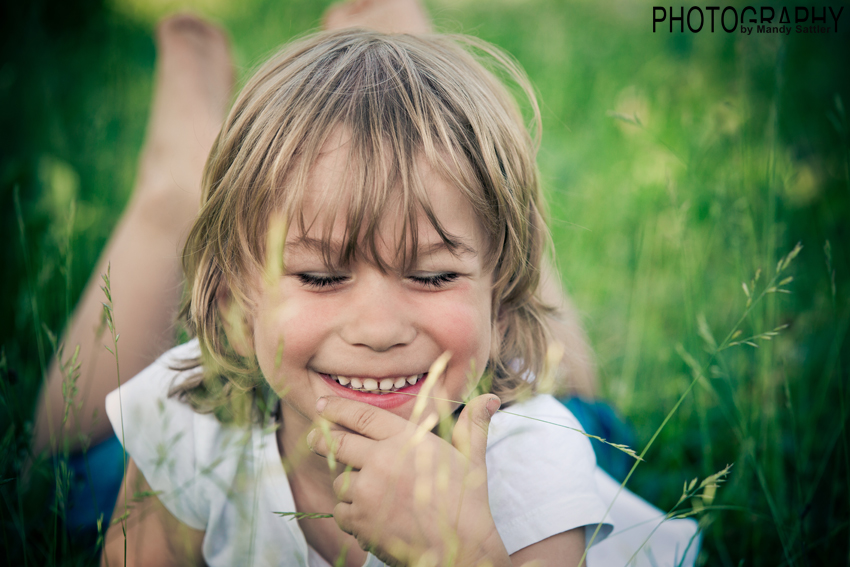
370, 205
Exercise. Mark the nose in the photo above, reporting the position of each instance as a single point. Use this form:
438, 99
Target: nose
379, 316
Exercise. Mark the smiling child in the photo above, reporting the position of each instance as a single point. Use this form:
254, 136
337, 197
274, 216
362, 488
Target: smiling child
366, 259
406, 181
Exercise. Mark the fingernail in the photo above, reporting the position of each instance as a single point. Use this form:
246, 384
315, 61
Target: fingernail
311, 437
320, 404
493, 405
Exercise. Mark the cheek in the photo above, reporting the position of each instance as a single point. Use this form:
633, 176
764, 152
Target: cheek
268, 341
466, 331
286, 337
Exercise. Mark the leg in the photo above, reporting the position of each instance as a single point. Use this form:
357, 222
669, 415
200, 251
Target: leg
388, 16
194, 78
577, 375
194, 82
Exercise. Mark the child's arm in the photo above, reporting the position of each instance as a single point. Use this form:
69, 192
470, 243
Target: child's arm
559, 550
410, 493
154, 537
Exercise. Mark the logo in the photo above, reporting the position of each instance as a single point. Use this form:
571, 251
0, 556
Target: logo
765, 19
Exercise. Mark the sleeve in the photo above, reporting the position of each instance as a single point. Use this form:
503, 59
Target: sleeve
540, 475
644, 537
159, 433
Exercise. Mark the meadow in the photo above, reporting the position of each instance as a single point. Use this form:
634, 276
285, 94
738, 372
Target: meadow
699, 193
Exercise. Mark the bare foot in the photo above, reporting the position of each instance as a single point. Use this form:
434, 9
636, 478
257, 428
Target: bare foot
193, 84
388, 16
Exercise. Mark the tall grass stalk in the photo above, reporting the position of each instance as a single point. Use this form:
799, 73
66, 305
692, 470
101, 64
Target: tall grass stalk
108, 314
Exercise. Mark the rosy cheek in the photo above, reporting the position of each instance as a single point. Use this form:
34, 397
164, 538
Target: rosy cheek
460, 328
281, 338
465, 330
300, 325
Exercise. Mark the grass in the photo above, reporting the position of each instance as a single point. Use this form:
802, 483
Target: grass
678, 167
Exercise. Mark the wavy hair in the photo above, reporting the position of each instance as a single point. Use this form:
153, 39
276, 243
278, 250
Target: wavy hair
403, 100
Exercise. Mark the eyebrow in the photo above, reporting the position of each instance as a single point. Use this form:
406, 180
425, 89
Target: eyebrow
318, 245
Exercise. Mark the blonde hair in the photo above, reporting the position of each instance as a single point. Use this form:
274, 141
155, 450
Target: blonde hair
402, 100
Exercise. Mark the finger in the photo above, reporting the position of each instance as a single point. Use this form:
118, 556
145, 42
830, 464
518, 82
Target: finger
343, 516
372, 422
353, 521
343, 486
470, 432
347, 448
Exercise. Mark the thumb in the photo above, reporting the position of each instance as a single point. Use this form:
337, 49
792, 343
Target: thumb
470, 432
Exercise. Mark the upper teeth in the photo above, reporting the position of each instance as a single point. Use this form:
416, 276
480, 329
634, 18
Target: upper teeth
378, 386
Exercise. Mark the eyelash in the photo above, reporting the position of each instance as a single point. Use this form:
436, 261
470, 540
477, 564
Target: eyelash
320, 282
436, 281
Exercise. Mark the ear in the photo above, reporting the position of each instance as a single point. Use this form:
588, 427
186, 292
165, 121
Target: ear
237, 322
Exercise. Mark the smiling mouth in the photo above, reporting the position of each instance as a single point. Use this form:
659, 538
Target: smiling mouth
376, 385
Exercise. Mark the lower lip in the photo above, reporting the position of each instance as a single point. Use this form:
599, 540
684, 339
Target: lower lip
383, 401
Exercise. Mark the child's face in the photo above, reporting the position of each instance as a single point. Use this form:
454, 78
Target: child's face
374, 328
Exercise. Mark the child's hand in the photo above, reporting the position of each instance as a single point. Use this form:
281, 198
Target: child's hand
409, 493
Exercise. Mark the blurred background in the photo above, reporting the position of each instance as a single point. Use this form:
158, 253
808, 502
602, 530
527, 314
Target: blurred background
678, 167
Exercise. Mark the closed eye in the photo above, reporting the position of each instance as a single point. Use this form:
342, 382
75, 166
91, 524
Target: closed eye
321, 281
435, 281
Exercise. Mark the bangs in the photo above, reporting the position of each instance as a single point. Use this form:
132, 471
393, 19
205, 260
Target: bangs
385, 100
403, 103
375, 186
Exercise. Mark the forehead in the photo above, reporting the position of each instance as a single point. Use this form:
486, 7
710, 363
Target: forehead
384, 211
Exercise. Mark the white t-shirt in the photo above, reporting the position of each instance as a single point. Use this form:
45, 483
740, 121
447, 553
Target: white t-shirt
229, 481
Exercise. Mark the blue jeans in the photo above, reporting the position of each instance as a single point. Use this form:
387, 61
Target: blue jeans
96, 477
